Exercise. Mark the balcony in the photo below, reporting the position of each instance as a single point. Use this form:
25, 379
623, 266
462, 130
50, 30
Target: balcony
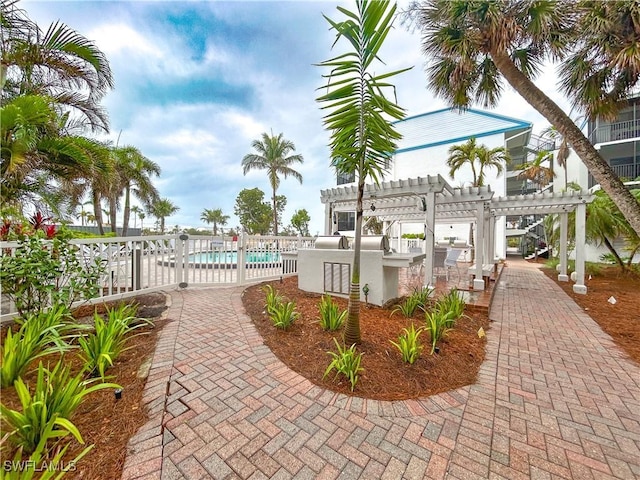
625, 172
614, 132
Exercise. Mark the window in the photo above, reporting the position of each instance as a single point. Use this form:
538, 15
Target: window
346, 220
346, 178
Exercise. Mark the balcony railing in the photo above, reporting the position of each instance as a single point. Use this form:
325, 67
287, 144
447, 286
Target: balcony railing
625, 172
615, 131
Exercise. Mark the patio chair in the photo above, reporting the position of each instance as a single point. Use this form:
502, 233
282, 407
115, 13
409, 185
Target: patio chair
439, 257
451, 261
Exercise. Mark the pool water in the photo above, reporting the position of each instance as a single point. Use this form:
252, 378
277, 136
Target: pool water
232, 257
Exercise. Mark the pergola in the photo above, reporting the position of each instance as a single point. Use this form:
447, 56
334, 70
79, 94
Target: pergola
431, 199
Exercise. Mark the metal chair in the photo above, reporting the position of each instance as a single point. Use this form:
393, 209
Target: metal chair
451, 261
439, 257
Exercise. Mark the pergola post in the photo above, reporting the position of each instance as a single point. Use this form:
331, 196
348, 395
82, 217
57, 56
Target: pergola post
491, 251
328, 219
478, 282
581, 220
564, 222
429, 226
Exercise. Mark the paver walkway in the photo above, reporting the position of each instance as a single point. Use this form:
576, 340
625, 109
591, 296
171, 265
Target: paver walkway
554, 399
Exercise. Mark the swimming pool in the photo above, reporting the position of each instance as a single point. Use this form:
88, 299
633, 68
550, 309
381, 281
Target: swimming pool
229, 259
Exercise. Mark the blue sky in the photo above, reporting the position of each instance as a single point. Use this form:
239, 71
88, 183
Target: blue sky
196, 82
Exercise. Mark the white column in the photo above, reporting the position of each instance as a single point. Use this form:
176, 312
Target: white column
564, 222
430, 223
491, 252
581, 220
478, 282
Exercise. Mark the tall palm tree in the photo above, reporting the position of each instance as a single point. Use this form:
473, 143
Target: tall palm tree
362, 136
59, 63
478, 157
214, 216
273, 156
474, 44
536, 171
135, 172
162, 209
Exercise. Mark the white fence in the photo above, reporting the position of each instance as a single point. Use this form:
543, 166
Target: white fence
137, 265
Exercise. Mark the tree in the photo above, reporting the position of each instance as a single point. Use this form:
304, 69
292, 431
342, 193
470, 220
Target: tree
300, 221
478, 157
135, 172
535, 171
214, 216
162, 209
253, 212
59, 64
136, 211
362, 135
474, 44
273, 156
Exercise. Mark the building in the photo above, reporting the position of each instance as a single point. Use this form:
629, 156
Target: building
423, 151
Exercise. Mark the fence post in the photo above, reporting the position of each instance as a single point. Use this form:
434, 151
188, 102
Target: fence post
180, 260
240, 258
136, 268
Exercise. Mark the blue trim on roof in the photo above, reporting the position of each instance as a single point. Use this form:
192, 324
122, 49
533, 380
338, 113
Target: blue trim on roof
521, 123
459, 139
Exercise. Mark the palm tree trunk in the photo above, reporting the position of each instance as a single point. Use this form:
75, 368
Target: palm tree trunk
275, 214
613, 251
113, 210
352, 325
127, 210
601, 171
97, 211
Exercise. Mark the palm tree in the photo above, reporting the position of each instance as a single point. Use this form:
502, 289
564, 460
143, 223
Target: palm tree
362, 137
272, 156
476, 43
535, 171
214, 216
60, 64
162, 209
478, 157
135, 172
141, 216
135, 210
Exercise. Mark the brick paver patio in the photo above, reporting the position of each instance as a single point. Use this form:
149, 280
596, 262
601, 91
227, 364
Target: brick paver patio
554, 399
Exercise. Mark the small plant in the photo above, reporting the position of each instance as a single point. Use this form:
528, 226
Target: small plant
408, 307
346, 362
38, 336
273, 299
283, 315
331, 318
436, 324
409, 344
55, 398
452, 302
418, 299
102, 347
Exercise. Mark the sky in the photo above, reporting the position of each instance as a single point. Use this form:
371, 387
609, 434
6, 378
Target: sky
196, 82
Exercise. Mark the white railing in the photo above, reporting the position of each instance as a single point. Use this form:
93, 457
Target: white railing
135, 265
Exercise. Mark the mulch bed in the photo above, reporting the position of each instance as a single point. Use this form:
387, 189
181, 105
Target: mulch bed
305, 345
102, 420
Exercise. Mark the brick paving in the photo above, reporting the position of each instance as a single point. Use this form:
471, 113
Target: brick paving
555, 399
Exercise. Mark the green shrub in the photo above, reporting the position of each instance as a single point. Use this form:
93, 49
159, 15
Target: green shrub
283, 315
331, 318
42, 273
418, 299
436, 323
55, 398
409, 344
451, 302
592, 268
101, 347
39, 335
346, 362
273, 298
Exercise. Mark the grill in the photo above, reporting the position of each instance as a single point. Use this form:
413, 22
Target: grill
333, 242
375, 242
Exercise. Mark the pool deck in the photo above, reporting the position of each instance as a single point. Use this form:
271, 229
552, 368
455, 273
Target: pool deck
554, 399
